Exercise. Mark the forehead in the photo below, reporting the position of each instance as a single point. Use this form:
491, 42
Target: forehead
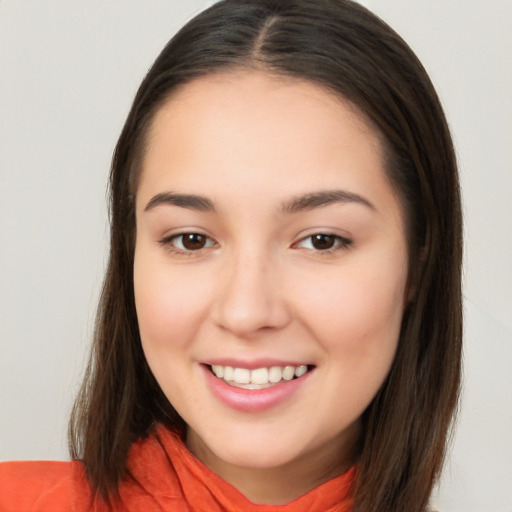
254, 95
242, 129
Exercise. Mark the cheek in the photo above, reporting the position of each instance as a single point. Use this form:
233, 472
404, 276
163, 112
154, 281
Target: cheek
356, 320
169, 311
356, 315
168, 305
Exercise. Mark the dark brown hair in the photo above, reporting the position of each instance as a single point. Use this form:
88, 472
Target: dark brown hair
345, 48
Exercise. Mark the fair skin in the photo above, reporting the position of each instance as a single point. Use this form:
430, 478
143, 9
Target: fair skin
268, 236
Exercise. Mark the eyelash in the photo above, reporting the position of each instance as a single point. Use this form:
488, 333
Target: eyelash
340, 243
168, 243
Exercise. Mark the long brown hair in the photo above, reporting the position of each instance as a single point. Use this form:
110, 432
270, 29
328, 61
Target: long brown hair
345, 48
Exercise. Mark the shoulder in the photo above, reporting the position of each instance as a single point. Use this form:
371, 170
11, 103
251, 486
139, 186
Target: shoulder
43, 486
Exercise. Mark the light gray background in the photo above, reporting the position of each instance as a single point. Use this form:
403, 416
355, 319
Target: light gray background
68, 73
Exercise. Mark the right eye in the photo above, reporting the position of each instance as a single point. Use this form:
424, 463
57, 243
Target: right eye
188, 242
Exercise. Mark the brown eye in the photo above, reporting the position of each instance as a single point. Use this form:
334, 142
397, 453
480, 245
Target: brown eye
193, 241
323, 242
187, 242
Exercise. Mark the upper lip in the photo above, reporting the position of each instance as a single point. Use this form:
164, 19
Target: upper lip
253, 363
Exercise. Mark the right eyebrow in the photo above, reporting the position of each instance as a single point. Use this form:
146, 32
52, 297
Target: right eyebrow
190, 201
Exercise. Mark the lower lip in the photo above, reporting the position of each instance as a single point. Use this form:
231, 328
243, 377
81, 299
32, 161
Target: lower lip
253, 400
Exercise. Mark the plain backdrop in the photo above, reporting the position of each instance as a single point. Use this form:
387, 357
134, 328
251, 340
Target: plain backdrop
68, 73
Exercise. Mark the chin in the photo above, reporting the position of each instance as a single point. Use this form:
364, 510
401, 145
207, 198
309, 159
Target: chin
261, 447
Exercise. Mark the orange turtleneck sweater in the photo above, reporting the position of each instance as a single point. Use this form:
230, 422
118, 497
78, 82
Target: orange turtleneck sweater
164, 477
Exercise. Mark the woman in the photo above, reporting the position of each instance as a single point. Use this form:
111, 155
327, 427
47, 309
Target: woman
280, 322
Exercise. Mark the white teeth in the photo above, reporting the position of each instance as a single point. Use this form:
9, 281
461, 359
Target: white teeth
218, 370
301, 370
242, 375
288, 372
259, 376
228, 373
275, 374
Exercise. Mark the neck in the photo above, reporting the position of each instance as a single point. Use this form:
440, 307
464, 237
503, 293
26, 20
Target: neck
282, 484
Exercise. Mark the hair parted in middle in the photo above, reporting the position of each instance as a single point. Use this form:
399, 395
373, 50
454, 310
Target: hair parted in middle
346, 49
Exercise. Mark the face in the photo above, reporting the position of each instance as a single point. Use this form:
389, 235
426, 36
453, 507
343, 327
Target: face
270, 267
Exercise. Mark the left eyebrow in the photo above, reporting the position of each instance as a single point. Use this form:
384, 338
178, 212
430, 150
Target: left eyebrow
313, 200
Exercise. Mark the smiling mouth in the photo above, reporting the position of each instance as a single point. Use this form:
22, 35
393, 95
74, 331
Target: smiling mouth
259, 378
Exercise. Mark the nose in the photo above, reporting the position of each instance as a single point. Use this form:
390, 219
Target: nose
250, 299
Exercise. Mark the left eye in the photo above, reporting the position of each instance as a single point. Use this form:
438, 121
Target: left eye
323, 242
190, 241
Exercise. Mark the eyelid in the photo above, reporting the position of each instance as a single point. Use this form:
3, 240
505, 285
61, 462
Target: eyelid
167, 242
341, 242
